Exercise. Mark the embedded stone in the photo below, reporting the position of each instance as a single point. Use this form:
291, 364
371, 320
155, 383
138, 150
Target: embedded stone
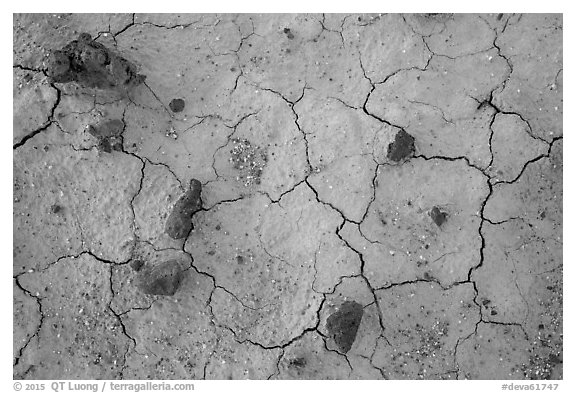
107, 128
109, 134
163, 279
90, 64
177, 105
438, 216
343, 324
179, 223
402, 147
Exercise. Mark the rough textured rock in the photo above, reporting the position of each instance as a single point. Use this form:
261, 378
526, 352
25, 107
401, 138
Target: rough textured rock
92, 65
109, 134
402, 147
179, 222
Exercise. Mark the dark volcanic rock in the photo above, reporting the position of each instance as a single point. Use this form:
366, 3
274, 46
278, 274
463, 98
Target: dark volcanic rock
163, 279
343, 324
177, 105
438, 216
402, 147
179, 223
91, 65
109, 134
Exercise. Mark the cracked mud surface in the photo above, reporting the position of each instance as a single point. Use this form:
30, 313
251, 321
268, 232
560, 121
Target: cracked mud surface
299, 196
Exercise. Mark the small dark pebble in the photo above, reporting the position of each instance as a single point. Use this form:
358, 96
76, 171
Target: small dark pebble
179, 223
56, 209
343, 324
438, 216
177, 105
402, 147
288, 33
163, 279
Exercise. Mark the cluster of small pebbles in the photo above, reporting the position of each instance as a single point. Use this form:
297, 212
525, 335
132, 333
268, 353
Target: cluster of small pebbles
250, 160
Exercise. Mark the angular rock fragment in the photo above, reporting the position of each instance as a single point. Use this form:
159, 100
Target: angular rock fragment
402, 147
343, 324
438, 216
179, 223
109, 134
91, 65
163, 279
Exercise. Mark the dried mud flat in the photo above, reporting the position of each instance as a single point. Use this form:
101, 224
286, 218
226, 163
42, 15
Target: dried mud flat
287, 196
